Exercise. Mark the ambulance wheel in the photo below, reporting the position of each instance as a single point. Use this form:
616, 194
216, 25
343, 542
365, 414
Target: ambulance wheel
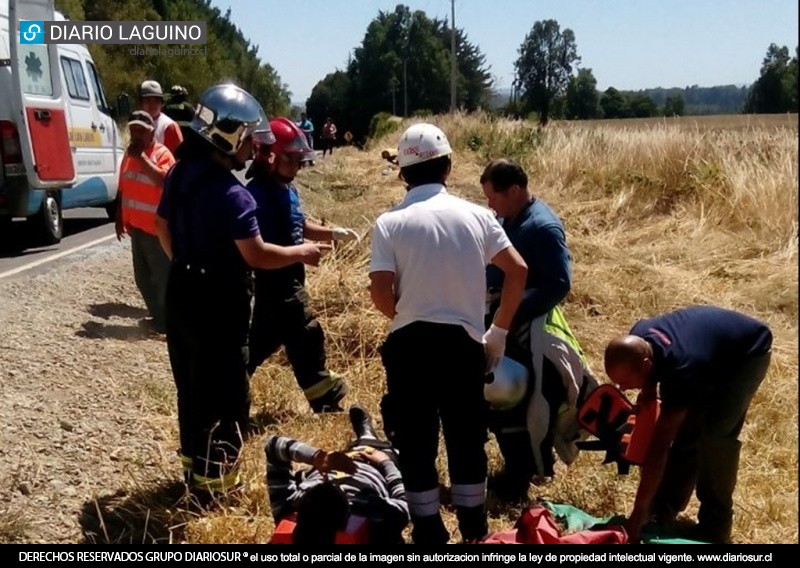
48, 222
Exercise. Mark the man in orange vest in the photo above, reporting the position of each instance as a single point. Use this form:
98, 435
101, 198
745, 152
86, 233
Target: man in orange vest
141, 180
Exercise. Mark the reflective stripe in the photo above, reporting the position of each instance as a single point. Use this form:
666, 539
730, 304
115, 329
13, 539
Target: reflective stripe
217, 484
140, 205
186, 462
320, 388
468, 495
556, 324
423, 503
140, 177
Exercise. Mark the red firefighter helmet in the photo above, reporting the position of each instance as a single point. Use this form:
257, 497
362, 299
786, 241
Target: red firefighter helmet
289, 139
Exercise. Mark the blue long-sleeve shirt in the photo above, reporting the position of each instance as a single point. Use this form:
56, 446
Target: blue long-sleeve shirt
538, 234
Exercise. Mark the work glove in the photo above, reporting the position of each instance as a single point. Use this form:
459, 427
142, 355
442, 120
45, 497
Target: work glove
494, 343
342, 234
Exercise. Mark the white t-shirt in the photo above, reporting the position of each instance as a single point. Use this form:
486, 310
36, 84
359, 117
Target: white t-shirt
162, 122
438, 246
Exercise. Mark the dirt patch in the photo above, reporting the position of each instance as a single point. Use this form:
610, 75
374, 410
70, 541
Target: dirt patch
79, 376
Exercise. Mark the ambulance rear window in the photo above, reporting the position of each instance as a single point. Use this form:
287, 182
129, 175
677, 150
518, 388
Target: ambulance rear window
76, 80
34, 66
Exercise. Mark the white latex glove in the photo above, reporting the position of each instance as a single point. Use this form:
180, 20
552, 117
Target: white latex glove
494, 343
342, 234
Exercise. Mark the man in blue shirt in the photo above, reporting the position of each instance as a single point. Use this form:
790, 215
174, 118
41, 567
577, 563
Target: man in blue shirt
545, 421
706, 364
281, 315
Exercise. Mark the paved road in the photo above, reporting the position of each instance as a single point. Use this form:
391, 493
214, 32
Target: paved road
83, 228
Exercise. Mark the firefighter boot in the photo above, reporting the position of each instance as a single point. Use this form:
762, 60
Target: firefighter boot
361, 422
472, 523
330, 399
429, 530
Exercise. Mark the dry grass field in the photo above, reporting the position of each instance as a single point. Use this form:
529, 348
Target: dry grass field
659, 214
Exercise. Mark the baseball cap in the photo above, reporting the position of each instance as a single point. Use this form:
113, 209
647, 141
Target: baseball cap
141, 118
151, 88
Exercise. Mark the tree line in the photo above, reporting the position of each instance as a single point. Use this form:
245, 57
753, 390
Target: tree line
229, 56
402, 67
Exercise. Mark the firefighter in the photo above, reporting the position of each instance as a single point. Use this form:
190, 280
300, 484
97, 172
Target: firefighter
427, 268
706, 364
281, 315
207, 225
178, 108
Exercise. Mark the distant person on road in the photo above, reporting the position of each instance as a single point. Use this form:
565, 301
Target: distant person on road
281, 315
167, 131
328, 136
141, 178
308, 129
207, 224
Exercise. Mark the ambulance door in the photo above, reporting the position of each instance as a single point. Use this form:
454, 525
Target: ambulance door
38, 102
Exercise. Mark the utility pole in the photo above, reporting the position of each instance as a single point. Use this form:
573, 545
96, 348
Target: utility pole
452, 55
405, 90
393, 82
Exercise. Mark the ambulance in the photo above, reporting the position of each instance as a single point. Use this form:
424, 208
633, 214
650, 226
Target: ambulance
60, 148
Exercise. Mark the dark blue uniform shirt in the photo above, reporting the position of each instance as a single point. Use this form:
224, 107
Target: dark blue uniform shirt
538, 235
696, 347
207, 210
281, 221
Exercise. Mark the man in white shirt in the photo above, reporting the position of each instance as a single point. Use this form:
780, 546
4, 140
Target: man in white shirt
167, 131
427, 273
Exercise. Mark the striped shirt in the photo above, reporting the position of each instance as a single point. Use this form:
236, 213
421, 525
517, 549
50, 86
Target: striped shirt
374, 492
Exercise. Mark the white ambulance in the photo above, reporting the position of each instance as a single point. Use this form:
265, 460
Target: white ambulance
59, 145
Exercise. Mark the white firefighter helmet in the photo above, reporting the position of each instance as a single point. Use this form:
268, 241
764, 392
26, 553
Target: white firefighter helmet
506, 385
420, 143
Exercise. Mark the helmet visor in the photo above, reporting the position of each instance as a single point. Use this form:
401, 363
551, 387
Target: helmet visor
228, 133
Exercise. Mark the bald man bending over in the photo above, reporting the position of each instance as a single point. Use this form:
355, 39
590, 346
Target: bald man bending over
706, 364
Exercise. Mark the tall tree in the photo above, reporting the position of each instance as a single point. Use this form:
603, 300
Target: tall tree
615, 104
674, 105
776, 88
544, 67
229, 56
583, 100
473, 81
331, 97
643, 106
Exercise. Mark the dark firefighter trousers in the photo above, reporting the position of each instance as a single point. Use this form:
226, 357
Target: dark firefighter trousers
207, 321
281, 316
435, 372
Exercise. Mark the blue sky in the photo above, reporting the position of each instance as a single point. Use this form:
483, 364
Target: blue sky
628, 44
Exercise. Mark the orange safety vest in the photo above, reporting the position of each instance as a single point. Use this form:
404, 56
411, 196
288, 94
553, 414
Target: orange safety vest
140, 192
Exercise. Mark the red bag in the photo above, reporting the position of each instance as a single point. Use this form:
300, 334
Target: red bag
537, 526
